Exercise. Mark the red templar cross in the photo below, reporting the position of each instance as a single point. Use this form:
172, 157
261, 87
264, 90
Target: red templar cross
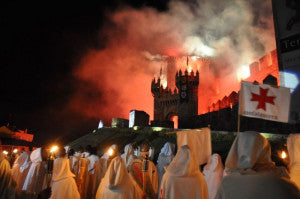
262, 98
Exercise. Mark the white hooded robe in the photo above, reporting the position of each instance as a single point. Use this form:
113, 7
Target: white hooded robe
93, 176
35, 178
63, 183
183, 178
21, 168
117, 184
128, 154
213, 174
252, 174
165, 157
293, 145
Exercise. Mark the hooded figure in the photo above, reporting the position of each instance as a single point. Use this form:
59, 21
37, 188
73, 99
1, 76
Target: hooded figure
213, 173
147, 180
128, 154
92, 181
36, 174
251, 153
8, 185
63, 183
183, 178
252, 173
117, 183
105, 159
20, 169
165, 157
293, 145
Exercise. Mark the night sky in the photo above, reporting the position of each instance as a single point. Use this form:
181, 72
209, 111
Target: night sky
65, 66
41, 44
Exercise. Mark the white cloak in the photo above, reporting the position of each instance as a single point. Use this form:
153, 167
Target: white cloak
256, 186
183, 178
128, 154
252, 172
213, 174
293, 145
250, 153
21, 168
63, 183
92, 177
36, 174
165, 157
117, 184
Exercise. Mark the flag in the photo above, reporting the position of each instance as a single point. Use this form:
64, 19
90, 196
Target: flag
199, 142
264, 101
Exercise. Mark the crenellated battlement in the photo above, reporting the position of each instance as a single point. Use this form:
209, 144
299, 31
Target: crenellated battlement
182, 102
159, 91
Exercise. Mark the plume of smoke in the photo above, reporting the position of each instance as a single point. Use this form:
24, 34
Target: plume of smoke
231, 32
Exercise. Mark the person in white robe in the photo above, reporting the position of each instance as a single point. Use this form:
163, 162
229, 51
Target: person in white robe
252, 174
92, 181
251, 151
8, 189
7, 184
106, 158
34, 180
75, 161
165, 157
293, 145
21, 168
183, 178
213, 174
72, 159
82, 177
63, 183
117, 184
128, 154
151, 176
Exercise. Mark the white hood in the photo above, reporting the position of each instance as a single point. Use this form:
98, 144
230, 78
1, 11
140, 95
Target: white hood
36, 155
92, 160
168, 149
24, 161
293, 145
183, 164
249, 152
213, 173
61, 169
128, 154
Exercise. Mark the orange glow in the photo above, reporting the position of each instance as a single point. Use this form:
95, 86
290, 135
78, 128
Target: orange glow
189, 69
174, 119
110, 152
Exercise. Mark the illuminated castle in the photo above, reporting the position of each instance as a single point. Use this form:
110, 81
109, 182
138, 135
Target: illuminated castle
179, 105
177, 102
259, 70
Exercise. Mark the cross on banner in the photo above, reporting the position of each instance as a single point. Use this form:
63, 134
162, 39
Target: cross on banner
264, 101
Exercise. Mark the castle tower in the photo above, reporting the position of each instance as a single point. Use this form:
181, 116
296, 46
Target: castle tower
187, 85
183, 102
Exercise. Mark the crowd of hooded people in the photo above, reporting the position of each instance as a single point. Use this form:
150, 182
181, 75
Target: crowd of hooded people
249, 173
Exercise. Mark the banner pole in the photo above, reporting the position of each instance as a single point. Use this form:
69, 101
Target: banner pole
239, 124
239, 115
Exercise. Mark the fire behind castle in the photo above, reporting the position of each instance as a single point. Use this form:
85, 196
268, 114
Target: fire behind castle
176, 104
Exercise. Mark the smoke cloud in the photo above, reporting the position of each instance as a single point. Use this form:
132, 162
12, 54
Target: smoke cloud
117, 78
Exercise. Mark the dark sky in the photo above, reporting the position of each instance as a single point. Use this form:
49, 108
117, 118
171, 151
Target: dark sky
41, 44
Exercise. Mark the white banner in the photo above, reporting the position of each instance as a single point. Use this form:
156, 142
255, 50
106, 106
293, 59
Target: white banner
199, 142
264, 101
